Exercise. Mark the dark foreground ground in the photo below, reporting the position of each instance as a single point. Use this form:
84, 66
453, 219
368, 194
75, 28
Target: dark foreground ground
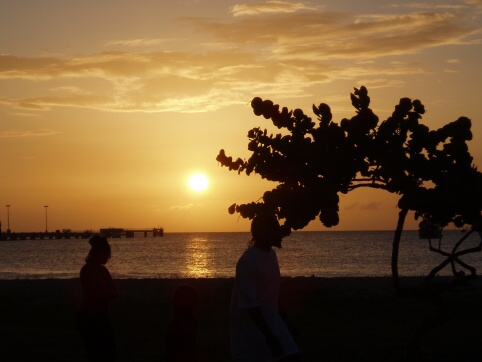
340, 319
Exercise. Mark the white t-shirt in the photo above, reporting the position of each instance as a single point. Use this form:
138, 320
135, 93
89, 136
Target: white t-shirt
257, 285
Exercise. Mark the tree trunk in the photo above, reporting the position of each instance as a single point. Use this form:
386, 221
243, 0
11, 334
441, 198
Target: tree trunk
396, 244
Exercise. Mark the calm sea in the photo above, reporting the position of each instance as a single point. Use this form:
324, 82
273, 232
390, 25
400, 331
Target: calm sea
211, 255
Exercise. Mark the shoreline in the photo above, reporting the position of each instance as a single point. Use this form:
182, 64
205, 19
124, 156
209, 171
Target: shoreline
339, 319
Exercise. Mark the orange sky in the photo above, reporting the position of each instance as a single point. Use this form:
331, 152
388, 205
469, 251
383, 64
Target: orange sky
107, 108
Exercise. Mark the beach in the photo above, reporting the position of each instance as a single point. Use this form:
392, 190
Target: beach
337, 319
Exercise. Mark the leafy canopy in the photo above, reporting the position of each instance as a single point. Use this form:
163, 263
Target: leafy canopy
316, 160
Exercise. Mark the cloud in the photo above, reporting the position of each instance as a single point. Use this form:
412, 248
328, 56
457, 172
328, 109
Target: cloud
183, 82
429, 6
316, 35
371, 205
25, 114
16, 134
45, 103
269, 7
474, 2
161, 81
136, 42
352, 206
68, 89
281, 56
182, 207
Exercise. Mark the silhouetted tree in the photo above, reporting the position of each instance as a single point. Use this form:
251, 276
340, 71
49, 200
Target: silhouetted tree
313, 162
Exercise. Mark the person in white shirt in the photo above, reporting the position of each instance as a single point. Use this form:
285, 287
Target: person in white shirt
258, 332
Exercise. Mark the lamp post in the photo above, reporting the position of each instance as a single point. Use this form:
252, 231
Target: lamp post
46, 229
8, 219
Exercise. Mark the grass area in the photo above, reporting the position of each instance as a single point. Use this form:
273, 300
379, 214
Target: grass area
339, 319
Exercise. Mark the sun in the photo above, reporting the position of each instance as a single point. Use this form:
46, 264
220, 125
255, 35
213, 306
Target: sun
198, 182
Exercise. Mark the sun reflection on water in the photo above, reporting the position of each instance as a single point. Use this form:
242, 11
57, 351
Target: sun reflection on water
198, 258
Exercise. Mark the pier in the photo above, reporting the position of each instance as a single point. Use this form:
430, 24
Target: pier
68, 234
129, 233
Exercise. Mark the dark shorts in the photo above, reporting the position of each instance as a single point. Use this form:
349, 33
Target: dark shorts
98, 337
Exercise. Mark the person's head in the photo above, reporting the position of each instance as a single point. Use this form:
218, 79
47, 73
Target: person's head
185, 299
99, 250
266, 231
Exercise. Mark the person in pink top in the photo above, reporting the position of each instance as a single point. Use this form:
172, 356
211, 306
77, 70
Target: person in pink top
258, 331
98, 291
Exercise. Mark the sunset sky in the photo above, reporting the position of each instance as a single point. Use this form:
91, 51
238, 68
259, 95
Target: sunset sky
108, 107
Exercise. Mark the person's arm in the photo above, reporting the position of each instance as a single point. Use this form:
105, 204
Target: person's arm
272, 341
289, 324
110, 290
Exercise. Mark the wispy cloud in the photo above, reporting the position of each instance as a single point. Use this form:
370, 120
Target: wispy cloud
16, 134
316, 35
474, 2
352, 206
244, 56
371, 205
182, 207
25, 114
430, 6
270, 7
156, 82
137, 42
45, 103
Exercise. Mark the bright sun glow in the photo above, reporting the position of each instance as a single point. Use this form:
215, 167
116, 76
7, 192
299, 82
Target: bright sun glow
198, 182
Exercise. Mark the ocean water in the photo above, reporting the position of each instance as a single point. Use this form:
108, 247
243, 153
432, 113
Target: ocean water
212, 255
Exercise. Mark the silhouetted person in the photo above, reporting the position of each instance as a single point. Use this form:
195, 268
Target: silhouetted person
182, 328
258, 332
98, 291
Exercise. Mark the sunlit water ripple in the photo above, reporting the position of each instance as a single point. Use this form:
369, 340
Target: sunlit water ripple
210, 255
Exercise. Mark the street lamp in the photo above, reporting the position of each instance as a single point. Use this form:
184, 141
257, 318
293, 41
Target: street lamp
46, 206
8, 218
